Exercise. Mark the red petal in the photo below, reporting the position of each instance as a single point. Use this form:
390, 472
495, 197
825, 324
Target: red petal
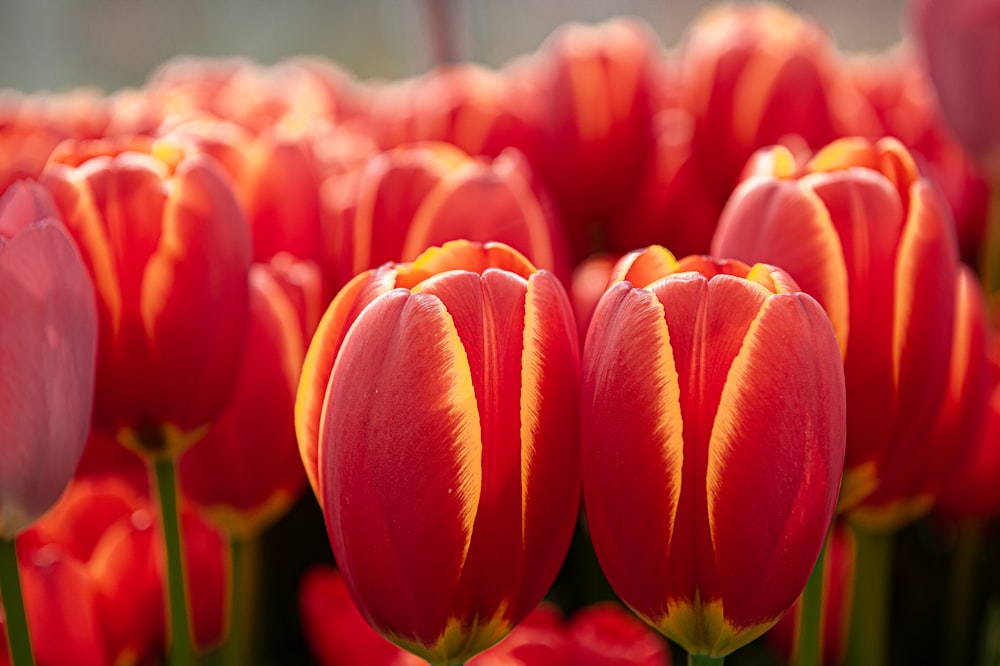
401, 463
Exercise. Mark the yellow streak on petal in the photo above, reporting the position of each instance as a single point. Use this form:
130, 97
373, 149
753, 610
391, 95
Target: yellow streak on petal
723, 427
531, 389
468, 445
670, 425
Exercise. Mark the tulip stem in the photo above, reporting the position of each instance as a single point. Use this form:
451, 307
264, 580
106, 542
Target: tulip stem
958, 640
809, 632
18, 639
868, 642
704, 660
181, 649
990, 257
244, 564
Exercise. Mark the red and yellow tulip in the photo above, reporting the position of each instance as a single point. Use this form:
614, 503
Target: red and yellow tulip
168, 251
437, 418
713, 440
873, 242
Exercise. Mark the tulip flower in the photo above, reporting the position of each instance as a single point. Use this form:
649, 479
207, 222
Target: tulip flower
713, 440
588, 96
421, 195
168, 251
902, 97
756, 74
959, 45
466, 105
861, 231
48, 342
95, 554
254, 438
48, 347
437, 420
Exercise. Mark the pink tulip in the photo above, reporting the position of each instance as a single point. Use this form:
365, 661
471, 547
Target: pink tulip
48, 346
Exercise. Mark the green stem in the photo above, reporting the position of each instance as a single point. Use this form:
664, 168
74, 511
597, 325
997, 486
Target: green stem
704, 660
18, 639
962, 578
181, 648
809, 632
868, 642
990, 253
244, 556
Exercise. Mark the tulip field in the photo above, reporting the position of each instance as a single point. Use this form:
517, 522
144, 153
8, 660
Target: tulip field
622, 353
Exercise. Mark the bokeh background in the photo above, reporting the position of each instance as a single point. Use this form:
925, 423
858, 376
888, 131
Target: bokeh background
59, 44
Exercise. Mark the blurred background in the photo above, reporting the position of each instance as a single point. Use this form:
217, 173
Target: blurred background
60, 44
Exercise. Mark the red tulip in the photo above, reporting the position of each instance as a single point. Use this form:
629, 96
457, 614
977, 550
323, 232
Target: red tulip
421, 195
589, 96
970, 488
61, 602
757, 74
713, 441
860, 230
914, 485
961, 44
466, 105
902, 96
254, 438
437, 419
605, 634
167, 248
96, 554
48, 343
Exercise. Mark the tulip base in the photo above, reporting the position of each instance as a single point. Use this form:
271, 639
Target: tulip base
704, 660
18, 639
181, 648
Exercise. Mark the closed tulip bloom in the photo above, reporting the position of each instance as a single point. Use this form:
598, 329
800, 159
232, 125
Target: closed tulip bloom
254, 438
437, 418
168, 251
959, 43
873, 242
713, 441
48, 344
421, 195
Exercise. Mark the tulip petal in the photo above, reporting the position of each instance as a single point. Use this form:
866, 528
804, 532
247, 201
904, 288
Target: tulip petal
195, 296
633, 449
48, 342
550, 476
318, 363
792, 229
402, 421
765, 530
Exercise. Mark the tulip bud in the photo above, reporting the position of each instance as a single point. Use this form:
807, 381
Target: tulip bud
959, 43
862, 232
168, 251
48, 343
437, 419
713, 441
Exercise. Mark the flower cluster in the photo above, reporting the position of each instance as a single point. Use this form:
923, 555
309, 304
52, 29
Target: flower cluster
701, 328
